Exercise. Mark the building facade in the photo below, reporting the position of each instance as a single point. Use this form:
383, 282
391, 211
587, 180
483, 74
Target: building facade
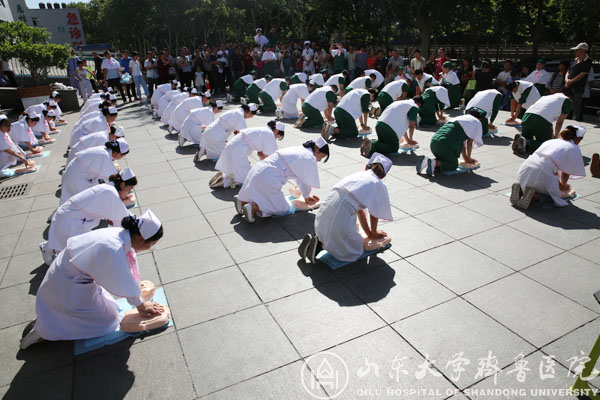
63, 23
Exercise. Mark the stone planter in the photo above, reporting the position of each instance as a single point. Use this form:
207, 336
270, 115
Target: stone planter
33, 95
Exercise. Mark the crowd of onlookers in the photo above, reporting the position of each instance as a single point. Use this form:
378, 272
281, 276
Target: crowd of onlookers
218, 67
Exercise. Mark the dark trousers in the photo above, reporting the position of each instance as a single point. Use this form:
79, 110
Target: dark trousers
115, 83
151, 84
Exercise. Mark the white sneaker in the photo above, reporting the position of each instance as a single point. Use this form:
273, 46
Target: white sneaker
303, 248
47, 254
181, 140
199, 154
365, 147
247, 209
278, 113
244, 101
238, 205
31, 338
299, 122
229, 97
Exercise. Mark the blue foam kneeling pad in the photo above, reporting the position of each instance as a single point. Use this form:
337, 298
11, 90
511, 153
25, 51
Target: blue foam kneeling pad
460, 170
131, 205
43, 155
513, 126
333, 263
85, 345
491, 133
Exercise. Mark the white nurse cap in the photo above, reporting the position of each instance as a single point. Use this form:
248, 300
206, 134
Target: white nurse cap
174, 82
252, 106
51, 113
120, 132
112, 97
123, 146
580, 130
3, 117
385, 162
194, 91
110, 90
307, 42
280, 126
33, 115
320, 142
220, 103
52, 103
207, 93
54, 94
112, 110
148, 224
127, 174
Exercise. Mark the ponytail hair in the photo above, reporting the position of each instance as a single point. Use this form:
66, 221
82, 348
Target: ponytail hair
104, 104
569, 133
378, 169
117, 180
105, 111
312, 145
114, 146
130, 223
246, 109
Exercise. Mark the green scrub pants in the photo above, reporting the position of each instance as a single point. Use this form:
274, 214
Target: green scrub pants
384, 100
313, 116
239, 89
536, 129
252, 93
268, 105
387, 141
345, 123
447, 144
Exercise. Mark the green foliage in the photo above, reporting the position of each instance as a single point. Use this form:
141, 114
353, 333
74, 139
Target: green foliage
144, 23
30, 45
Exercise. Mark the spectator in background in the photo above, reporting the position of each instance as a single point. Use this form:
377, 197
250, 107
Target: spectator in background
577, 77
135, 66
361, 61
237, 64
127, 87
393, 63
484, 77
151, 72
351, 62
260, 39
71, 67
172, 65
98, 68
430, 68
540, 77
418, 62
465, 73
557, 82
440, 61
185, 68
162, 66
371, 59
525, 71
112, 73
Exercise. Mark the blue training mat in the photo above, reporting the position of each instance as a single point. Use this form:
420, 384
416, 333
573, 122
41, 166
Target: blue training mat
43, 155
491, 133
7, 172
333, 263
131, 205
460, 170
85, 345
512, 126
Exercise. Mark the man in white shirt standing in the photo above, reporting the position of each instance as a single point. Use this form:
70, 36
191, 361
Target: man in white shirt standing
308, 56
540, 77
151, 72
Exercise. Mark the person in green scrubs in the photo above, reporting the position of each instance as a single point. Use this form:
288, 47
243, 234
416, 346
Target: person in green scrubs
254, 89
452, 83
354, 105
241, 84
435, 99
321, 99
458, 136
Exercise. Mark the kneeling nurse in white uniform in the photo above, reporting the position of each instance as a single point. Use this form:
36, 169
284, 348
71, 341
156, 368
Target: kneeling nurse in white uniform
89, 166
261, 192
74, 300
233, 165
196, 122
215, 135
548, 169
83, 212
335, 225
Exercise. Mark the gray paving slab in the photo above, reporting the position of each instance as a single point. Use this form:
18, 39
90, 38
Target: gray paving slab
458, 221
534, 312
20, 270
456, 349
320, 318
216, 362
398, 290
54, 384
452, 263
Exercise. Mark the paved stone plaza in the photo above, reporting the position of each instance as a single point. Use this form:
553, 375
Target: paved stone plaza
470, 283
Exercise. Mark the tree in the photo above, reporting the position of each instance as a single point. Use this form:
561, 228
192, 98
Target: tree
30, 45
